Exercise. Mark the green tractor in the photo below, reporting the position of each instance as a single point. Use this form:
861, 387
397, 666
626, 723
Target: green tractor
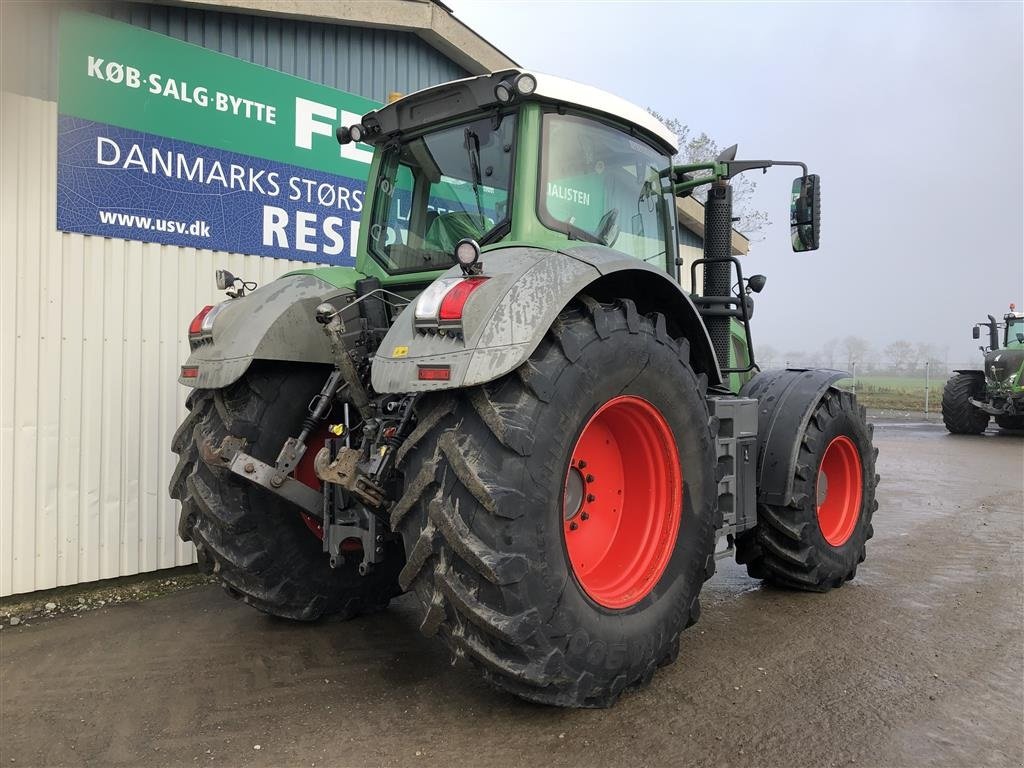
972, 397
511, 409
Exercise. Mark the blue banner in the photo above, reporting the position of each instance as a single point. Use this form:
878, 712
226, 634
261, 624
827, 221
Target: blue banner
117, 182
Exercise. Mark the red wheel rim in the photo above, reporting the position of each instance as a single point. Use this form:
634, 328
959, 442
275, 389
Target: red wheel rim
839, 490
305, 473
622, 502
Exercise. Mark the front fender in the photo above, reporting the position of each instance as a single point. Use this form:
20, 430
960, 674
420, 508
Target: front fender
785, 401
506, 318
275, 322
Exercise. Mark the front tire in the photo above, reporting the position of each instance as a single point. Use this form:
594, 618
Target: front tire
487, 496
257, 544
818, 540
960, 416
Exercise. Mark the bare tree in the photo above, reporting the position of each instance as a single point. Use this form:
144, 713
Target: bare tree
899, 354
855, 349
701, 149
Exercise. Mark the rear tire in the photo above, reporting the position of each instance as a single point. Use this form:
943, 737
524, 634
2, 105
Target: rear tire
960, 416
1010, 422
482, 513
817, 541
257, 544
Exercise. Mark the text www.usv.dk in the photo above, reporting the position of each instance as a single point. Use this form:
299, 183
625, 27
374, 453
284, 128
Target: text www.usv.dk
196, 228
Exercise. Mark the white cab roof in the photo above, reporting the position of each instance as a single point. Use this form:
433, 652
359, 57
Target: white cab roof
589, 97
551, 88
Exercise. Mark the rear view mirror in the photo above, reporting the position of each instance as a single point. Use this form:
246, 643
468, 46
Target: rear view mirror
977, 333
805, 213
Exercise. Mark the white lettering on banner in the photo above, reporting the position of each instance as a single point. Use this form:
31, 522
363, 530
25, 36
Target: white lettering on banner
276, 224
158, 161
307, 126
116, 73
304, 230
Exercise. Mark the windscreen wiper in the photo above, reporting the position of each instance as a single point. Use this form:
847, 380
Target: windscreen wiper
473, 147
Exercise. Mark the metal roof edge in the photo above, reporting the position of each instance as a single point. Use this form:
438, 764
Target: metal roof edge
431, 21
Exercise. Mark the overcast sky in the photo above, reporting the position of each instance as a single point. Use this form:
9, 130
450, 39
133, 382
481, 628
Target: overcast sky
912, 114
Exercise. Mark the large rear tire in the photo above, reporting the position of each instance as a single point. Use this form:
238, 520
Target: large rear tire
491, 506
818, 540
258, 545
960, 416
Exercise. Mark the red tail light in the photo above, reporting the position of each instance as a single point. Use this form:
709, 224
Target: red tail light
196, 326
455, 300
434, 373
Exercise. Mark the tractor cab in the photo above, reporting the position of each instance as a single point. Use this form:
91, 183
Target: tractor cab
508, 158
1013, 322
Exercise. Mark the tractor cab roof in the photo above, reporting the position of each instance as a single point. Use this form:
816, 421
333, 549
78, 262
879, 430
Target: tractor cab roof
473, 95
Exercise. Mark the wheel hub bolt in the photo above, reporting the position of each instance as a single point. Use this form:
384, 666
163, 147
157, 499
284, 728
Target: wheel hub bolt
584, 516
581, 464
573, 525
591, 497
590, 478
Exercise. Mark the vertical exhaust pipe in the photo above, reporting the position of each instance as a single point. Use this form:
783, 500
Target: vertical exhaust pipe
718, 270
993, 332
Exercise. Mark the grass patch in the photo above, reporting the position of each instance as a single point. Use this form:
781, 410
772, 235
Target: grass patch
902, 393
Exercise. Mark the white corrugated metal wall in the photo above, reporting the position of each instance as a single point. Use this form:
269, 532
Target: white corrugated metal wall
92, 333
92, 330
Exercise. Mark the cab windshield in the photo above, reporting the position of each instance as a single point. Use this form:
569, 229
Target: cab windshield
438, 188
603, 185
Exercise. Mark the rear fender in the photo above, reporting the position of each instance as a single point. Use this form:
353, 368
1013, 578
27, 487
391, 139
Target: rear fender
275, 322
786, 400
507, 317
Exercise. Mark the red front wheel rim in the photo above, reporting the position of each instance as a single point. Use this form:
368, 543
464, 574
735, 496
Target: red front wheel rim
839, 490
622, 502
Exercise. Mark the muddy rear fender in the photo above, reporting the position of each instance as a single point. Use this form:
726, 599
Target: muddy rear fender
274, 322
506, 318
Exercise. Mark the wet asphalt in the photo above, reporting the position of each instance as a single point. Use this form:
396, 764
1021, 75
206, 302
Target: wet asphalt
916, 662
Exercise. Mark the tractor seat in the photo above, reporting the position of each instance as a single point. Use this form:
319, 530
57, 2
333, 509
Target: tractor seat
447, 229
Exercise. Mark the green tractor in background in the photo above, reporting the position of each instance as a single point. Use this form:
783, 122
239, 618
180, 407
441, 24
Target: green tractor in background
511, 409
972, 397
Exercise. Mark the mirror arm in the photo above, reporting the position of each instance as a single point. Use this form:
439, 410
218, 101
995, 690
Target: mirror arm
683, 183
738, 167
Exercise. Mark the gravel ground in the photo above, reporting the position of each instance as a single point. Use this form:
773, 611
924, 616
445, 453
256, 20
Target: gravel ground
916, 662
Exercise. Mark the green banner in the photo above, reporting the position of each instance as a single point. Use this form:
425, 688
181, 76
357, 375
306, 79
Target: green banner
122, 75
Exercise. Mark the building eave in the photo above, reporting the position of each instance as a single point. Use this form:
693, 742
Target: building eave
432, 22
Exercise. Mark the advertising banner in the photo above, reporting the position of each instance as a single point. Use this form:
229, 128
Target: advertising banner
164, 141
